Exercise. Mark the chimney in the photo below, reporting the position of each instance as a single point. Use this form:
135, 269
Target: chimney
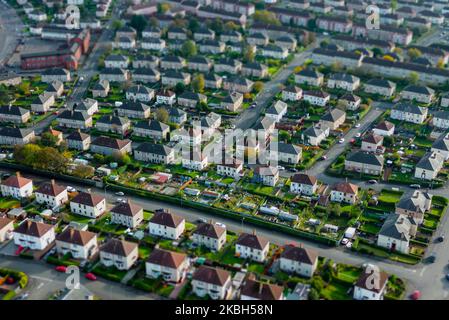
260, 287
52, 181
254, 232
18, 174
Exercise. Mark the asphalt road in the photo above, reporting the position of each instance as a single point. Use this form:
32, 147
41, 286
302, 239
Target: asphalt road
10, 32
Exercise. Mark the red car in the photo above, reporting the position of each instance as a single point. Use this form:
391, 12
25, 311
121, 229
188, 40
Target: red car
90, 276
19, 250
415, 295
61, 268
10, 280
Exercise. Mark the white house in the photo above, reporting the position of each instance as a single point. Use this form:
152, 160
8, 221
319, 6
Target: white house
168, 265
230, 169
315, 134
255, 290
194, 161
52, 194
367, 289
303, 184
34, 235
344, 192
429, 166
441, 146
210, 236
252, 247
119, 253
292, 93
384, 128
80, 244
299, 260
127, 214
6, 229
409, 112
213, 282
441, 119
166, 225
276, 111
316, 97
17, 187
396, 233
88, 204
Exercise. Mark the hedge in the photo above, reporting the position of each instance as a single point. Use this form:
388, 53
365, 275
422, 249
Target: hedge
17, 275
10, 295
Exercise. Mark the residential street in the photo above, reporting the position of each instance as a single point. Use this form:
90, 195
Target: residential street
10, 29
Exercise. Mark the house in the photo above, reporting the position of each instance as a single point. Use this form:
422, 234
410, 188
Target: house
42, 103
254, 69
74, 119
88, 105
146, 61
154, 153
315, 134
203, 34
15, 136
367, 289
153, 129
309, 77
333, 119
303, 184
316, 97
384, 128
232, 102
252, 247
255, 290
418, 93
441, 146
231, 36
266, 175
125, 43
176, 115
168, 265
286, 41
116, 61
52, 194
34, 235
350, 101
213, 282
258, 39
191, 99
78, 140
344, 192
119, 253
194, 160
211, 47
292, 93
429, 166
17, 187
56, 88
343, 81
115, 124
210, 236
146, 74
151, 32
380, 86
328, 57
334, 24
288, 153
276, 111
396, 232
232, 169
173, 62
101, 89
441, 119
227, 65
372, 143
167, 97
156, 44
167, 225
88, 204
175, 33
55, 74
109, 146
80, 244
172, 78
409, 113
212, 81
126, 31
131, 109
299, 260
14, 114
6, 229
199, 63
414, 205
273, 51
238, 84
140, 93
368, 163
127, 214
115, 75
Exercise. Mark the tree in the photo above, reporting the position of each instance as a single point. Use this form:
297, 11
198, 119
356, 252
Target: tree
154, 22
117, 24
377, 52
5, 97
138, 22
258, 86
414, 53
413, 77
397, 50
230, 25
49, 140
336, 66
163, 7
324, 43
266, 17
121, 158
180, 88
83, 171
440, 64
198, 83
388, 57
217, 26
24, 88
394, 4
162, 115
193, 24
45, 158
189, 49
313, 294
248, 53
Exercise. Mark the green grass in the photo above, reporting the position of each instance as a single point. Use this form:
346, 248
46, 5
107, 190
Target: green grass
336, 291
7, 203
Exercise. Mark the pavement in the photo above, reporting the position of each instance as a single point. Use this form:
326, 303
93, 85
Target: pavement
11, 27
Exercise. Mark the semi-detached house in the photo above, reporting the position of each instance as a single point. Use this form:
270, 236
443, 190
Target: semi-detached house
127, 214
119, 253
88, 205
167, 225
80, 244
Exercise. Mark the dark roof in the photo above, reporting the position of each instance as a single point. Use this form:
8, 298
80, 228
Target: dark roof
127, 209
51, 189
12, 110
134, 106
77, 136
166, 258
113, 120
215, 276
300, 254
261, 291
381, 83
304, 179
252, 241
366, 158
33, 228
119, 247
365, 278
15, 132
153, 148
108, 142
289, 148
74, 115
333, 115
152, 125
210, 230
88, 199
166, 219
74, 236
16, 181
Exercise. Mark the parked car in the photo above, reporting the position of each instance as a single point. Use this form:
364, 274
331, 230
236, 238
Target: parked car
415, 186
358, 135
432, 258
119, 193
440, 238
415, 295
90, 276
372, 181
357, 125
342, 140
61, 268
344, 241
323, 158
